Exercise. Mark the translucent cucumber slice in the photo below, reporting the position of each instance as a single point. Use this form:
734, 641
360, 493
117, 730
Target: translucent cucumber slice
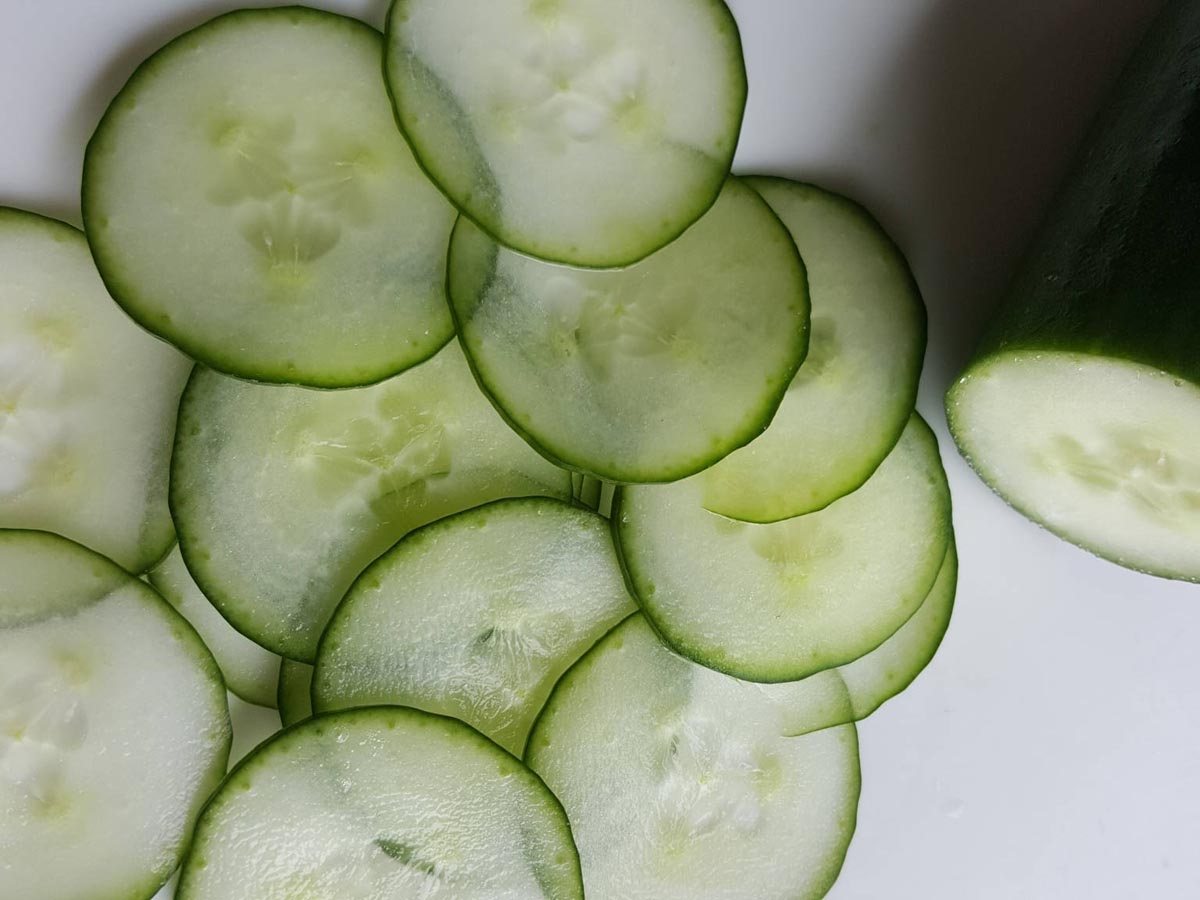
1102, 451
113, 725
685, 784
384, 802
476, 616
250, 671
247, 198
294, 696
649, 373
87, 400
850, 401
282, 495
780, 602
560, 126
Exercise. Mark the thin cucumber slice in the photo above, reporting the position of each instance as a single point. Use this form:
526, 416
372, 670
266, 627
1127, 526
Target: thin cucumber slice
247, 198
250, 671
113, 725
850, 401
87, 400
383, 802
649, 373
780, 602
282, 495
685, 784
294, 695
560, 126
476, 616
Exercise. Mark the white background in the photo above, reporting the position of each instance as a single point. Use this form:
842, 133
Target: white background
1052, 750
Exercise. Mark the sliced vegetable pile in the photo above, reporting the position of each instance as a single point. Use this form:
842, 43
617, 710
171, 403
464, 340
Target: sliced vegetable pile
587, 598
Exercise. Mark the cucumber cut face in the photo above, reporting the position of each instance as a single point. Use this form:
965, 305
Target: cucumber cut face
113, 725
383, 802
685, 784
282, 495
476, 616
1101, 451
779, 602
294, 697
649, 373
87, 400
247, 198
250, 671
560, 126
850, 401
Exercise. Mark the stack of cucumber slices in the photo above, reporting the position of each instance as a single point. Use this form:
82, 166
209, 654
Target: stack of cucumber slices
563, 491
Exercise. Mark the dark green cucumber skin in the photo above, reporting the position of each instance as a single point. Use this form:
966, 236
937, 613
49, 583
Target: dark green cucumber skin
1115, 268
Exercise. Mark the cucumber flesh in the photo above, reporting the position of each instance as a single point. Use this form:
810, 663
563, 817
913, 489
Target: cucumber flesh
649, 373
1104, 452
248, 181
87, 400
779, 602
250, 671
681, 782
381, 802
102, 768
859, 380
475, 616
282, 495
294, 694
560, 126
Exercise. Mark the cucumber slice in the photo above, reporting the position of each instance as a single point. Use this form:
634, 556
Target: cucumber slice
780, 602
649, 373
859, 380
247, 198
381, 802
560, 126
87, 400
294, 695
250, 671
475, 616
282, 495
113, 725
684, 783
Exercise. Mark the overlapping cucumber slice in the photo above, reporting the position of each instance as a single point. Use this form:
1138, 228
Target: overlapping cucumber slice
294, 693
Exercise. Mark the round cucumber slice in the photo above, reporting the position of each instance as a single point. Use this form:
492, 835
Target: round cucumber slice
247, 198
685, 784
294, 696
476, 616
780, 602
282, 495
113, 725
1102, 451
250, 671
87, 400
381, 802
850, 401
560, 126
649, 373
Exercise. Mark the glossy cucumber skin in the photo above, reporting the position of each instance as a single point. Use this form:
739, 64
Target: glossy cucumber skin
1115, 269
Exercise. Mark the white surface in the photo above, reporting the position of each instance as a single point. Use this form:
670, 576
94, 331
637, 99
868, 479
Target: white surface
1052, 750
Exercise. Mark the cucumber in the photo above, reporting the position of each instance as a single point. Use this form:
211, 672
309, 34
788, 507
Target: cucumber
381, 802
649, 373
1081, 406
113, 725
248, 199
560, 126
779, 602
87, 400
680, 782
250, 671
475, 616
282, 495
859, 380
294, 694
